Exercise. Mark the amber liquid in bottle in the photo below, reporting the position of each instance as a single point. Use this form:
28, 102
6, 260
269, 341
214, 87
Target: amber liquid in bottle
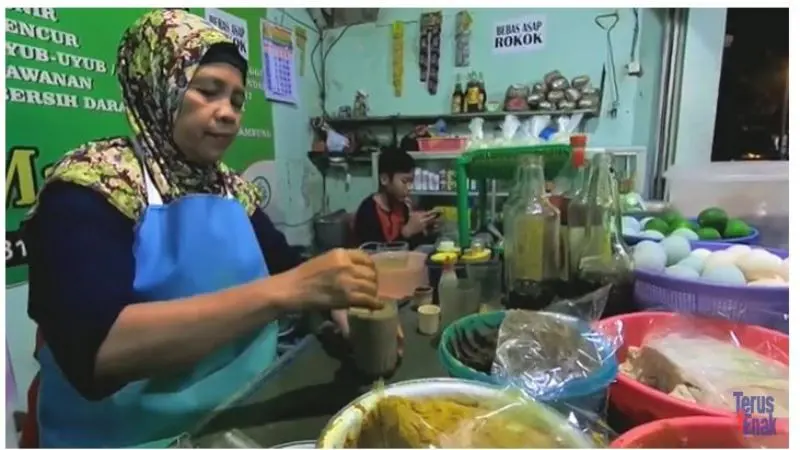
533, 264
603, 259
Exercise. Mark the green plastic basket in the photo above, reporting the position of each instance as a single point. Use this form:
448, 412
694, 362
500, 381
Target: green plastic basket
501, 163
498, 164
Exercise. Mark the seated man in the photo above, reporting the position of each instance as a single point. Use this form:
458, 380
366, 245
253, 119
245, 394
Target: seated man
386, 216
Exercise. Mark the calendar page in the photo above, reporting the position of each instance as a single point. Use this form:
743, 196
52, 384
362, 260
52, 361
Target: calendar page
279, 67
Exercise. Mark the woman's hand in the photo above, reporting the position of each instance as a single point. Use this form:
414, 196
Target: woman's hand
337, 279
339, 317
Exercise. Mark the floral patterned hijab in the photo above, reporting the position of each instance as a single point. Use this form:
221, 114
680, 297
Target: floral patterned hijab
156, 60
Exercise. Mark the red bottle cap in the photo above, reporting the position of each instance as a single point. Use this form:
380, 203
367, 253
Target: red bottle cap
578, 143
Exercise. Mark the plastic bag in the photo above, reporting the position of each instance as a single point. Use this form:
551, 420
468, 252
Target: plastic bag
336, 142
509, 128
711, 361
542, 351
555, 356
705, 361
477, 416
476, 129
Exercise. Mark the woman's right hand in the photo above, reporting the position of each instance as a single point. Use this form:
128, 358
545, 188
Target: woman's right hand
337, 279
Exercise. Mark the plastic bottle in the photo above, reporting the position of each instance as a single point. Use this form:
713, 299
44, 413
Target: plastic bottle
449, 303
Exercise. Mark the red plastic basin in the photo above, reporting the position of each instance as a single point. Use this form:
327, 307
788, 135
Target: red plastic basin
641, 403
698, 432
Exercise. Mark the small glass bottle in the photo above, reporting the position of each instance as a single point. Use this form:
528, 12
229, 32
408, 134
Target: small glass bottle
533, 266
604, 259
481, 93
457, 99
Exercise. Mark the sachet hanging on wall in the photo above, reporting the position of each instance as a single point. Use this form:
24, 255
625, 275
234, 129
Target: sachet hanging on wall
463, 32
398, 31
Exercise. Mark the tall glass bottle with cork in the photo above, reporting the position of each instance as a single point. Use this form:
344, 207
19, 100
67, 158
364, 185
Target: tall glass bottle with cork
532, 267
603, 259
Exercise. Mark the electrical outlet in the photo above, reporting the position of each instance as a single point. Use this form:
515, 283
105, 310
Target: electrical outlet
634, 69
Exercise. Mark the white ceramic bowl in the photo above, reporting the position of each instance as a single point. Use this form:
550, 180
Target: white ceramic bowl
348, 420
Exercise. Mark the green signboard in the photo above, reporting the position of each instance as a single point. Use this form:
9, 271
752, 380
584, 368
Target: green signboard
61, 91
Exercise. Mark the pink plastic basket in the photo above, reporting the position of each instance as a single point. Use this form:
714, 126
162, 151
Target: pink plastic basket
442, 144
766, 306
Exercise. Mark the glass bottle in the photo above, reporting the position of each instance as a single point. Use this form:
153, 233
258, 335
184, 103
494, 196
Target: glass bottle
481, 93
533, 265
569, 184
507, 214
472, 95
457, 99
603, 259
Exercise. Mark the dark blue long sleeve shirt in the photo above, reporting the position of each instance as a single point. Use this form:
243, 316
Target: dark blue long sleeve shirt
81, 272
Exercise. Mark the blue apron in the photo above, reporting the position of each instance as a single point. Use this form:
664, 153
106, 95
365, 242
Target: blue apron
195, 245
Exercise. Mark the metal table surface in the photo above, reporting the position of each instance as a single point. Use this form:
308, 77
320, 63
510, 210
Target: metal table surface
297, 400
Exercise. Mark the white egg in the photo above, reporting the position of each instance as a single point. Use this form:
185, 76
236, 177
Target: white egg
718, 258
776, 281
685, 233
629, 231
693, 261
760, 251
682, 271
652, 234
784, 273
677, 248
649, 256
759, 264
701, 253
630, 223
739, 249
725, 274
645, 245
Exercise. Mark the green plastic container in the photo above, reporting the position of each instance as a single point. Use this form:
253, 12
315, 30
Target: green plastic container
498, 164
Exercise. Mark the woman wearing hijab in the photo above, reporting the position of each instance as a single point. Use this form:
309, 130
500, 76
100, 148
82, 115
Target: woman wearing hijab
154, 278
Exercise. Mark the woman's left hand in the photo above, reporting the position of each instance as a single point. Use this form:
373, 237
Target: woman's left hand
339, 317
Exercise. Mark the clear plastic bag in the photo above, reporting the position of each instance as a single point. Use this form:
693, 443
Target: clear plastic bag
714, 362
465, 415
555, 356
541, 352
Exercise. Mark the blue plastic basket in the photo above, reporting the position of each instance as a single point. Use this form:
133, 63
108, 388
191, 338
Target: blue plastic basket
590, 393
767, 306
751, 239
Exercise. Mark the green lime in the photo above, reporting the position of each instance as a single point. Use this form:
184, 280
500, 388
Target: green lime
671, 217
682, 223
657, 224
736, 228
715, 218
708, 234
